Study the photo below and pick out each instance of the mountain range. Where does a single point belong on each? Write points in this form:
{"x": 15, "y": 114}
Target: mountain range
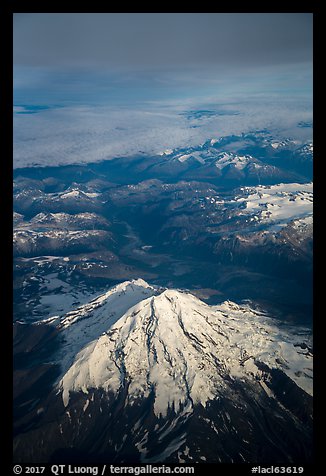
{"x": 163, "y": 306}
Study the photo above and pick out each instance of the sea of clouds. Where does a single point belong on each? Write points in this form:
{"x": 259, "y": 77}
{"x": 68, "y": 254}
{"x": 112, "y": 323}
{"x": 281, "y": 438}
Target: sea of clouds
{"x": 77, "y": 134}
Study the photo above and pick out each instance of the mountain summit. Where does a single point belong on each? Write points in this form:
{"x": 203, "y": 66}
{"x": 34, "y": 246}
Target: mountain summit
{"x": 185, "y": 351}
{"x": 147, "y": 371}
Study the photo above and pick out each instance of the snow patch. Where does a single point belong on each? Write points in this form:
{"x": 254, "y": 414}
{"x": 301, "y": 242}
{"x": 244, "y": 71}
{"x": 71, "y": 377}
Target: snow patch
{"x": 228, "y": 158}
{"x": 278, "y": 203}
{"x": 166, "y": 152}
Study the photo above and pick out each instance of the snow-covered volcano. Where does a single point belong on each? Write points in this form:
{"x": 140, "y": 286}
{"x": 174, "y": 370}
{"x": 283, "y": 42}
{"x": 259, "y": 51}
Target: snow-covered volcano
{"x": 150, "y": 374}
{"x": 182, "y": 349}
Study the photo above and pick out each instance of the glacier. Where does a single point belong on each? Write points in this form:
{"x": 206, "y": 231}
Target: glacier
{"x": 145, "y": 339}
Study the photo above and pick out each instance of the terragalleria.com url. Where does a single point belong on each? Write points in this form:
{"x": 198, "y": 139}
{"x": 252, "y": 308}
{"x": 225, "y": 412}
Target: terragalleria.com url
{"x": 148, "y": 469}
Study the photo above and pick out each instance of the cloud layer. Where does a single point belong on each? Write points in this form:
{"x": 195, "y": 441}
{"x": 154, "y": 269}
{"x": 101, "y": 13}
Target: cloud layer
{"x": 146, "y": 41}
{"x": 84, "y": 134}
{"x": 89, "y": 87}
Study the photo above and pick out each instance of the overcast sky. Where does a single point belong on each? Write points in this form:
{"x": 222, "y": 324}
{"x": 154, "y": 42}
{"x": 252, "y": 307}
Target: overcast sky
{"x": 62, "y": 54}
{"x": 161, "y": 40}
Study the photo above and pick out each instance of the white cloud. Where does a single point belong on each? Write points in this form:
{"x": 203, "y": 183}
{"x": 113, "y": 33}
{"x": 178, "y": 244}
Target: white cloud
{"x": 81, "y": 134}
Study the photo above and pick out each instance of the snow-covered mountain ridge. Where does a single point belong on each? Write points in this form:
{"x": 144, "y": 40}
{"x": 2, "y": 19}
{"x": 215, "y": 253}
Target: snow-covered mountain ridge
{"x": 146, "y": 340}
